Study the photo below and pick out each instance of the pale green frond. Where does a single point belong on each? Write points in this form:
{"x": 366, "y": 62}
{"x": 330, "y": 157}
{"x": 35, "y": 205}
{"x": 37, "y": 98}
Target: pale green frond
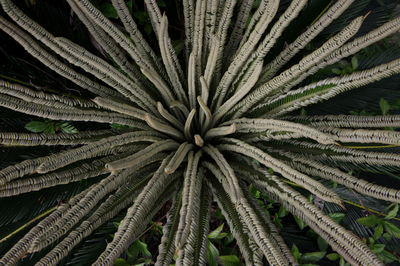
{"x": 109, "y": 45}
{"x": 178, "y": 157}
{"x": 71, "y": 114}
{"x": 243, "y": 88}
{"x": 272, "y": 86}
{"x": 238, "y": 228}
{"x": 188, "y": 124}
{"x": 277, "y": 29}
{"x": 40, "y": 97}
{"x": 166, "y": 249}
{"x": 162, "y": 127}
{"x": 247, "y": 125}
{"x": 351, "y": 48}
{"x": 349, "y": 121}
{"x": 169, "y": 117}
{"x": 91, "y": 150}
{"x": 33, "y": 48}
{"x": 238, "y": 29}
{"x": 220, "y": 131}
{"x": 135, "y": 214}
{"x": 22, "y": 246}
{"x": 318, "y": 169}
{"x": 363, "y": 135}
{"x": 192, "y": 186}
{"x": 280, "y": 167}
{"x": 168, "y": 61}
{"x": 221, "y": 32}
{"x": 107, "y": 210}
{"x": 37, "y": 139}
{"x": 243, "y": 54}
{"x": 134, "y": 33}
{"x": 194, "y": 250}
{"x": 142, "y": 156}
{"x": 352, "y": 155}
{"x": 341, "y": 240}
{"x": 227, "y": 171}
{"x": 292, "y": 49}
{"x": 326, "y": 89}
{"x": 265, "y": 221}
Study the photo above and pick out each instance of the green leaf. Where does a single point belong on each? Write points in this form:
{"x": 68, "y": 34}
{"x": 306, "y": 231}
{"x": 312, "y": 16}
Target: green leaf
{"x": 212, "y": 254}
{"x": 378, "y": 231}
{"x": 385, "y": 107}
{"x": 282, "y": 212}
{"x": 300, "y": 223}
{"x": 161, "y": 3}
{"x": 388, "y": 257}
{"x": 392, "y": 213}
{"x": 119, "y": 127}
{"x": 354, "y": 63}
{"x": 230, "y": 260}
{"x": 336, "y": 71}
{"x": 333, "y": 256}
{"x": 371, "y": 220}
{"x": 322, "y": 244}
{"x": 312, "y": 257}
{"x": 36, "y": 126}
{"x": 392, "y": 229}
{"x": 66, "y": 127}
{"x": 377, "y": 248}
{"x": 295, "y": 252}
{"x": 108, "y": 10}
{"x": 121, "y": 262}
{"x": 337, "y": 216}
{"x": 387, "y": 236}
{"x": 178, "y": 46}
{"x": 215, "y": 234}
{"x": 129, "y": 5}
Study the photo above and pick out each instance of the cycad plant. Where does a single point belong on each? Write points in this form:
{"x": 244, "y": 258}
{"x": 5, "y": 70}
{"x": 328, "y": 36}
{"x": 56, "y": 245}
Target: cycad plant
{"x": 200, "y": 128}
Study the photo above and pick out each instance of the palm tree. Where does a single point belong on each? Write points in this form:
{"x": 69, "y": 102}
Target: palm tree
{"x": 199, "y": 129}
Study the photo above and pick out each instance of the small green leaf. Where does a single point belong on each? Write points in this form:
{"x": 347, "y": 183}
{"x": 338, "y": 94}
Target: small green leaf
{"x": 215, "y": 233}
{"x": 121, "y": 262}
{"x": 66, "y": 127}
{"x": 322, "y": 244}
{"x": 354, "y": 63}
{"x": 212, "y": 254}
{"x": 336, "y": 71}
{"x": 392, "y": 213}
{"x": 108, "y": 10}
{"x": 388, "y": 257}
{"x": 378, "y": 231}
{"x": 387, "y": 236}
{"x": 312, "y": 257}
{"x": 129, "y": 5}
{"x": 371, "y": 220}
{"x": 377, "y": 248}
{"x": 300, "y": 223}
{"x": 161, "y": 3}
{"x": 333, "y": 256}
{"x": 385, "y": 107}
{"x": 229, "y": 260}
{"x": 282, "y": 212}
{"x": 392, "y": 229}
{"x": 119, "y": 127}
{"x": 36, "y": 126}
{"x": 295, "y": 252}
{"x": 337, "y": 216}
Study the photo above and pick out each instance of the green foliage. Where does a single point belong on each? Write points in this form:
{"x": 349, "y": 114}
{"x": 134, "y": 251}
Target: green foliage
{"x": 51, "y": 127}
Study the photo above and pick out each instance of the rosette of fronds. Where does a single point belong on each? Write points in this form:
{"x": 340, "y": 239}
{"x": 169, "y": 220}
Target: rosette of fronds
{"x": 200, "y": 128}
